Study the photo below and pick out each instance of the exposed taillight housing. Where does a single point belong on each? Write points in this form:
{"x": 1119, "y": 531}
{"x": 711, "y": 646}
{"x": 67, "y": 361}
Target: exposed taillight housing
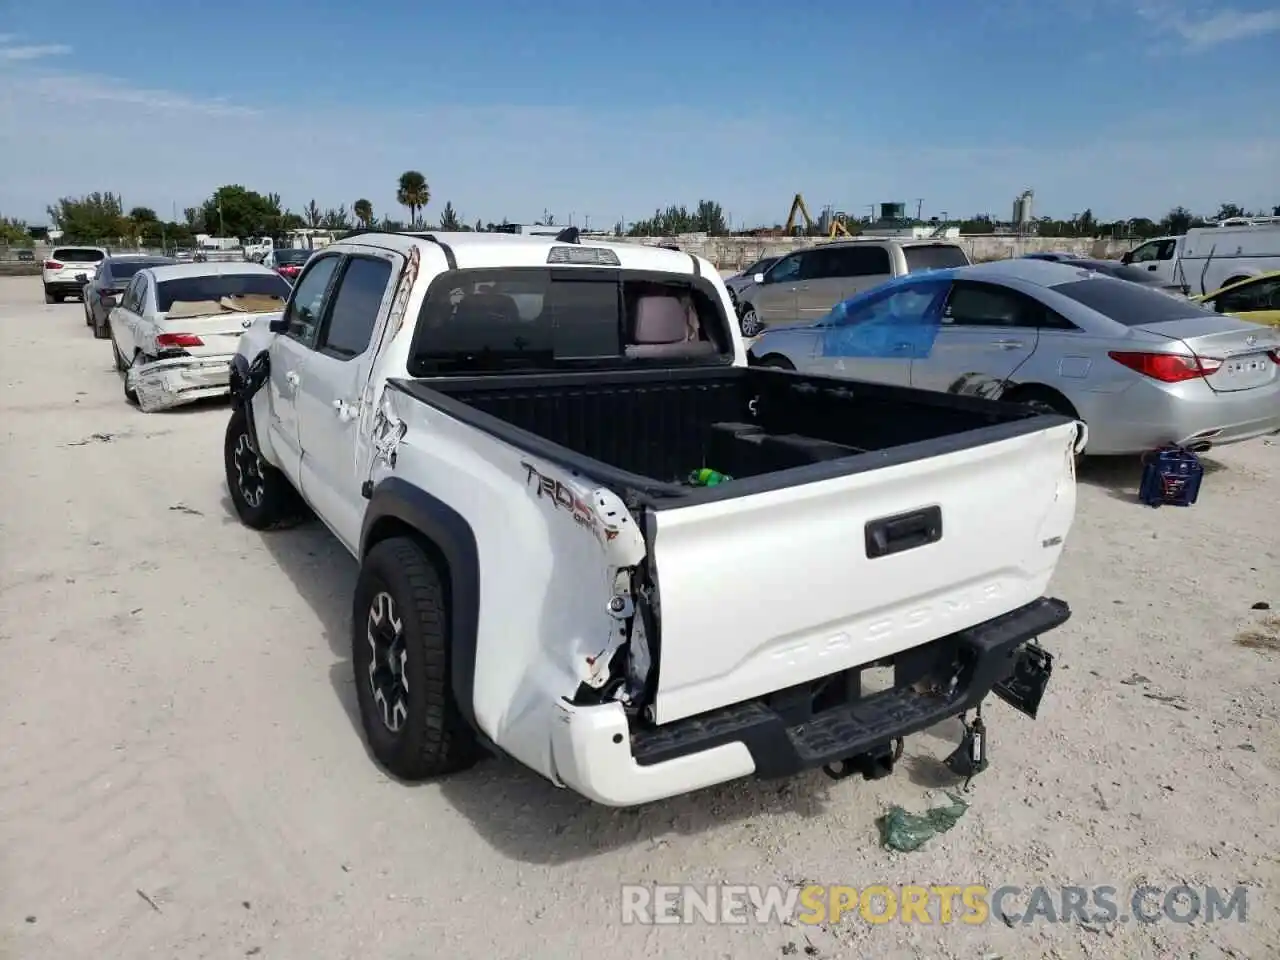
{"x": 178, "y": 341}
{"x": 52, "y": 265}
{"x": 1274, "y": 355}
{"x": 1166, "y": 367}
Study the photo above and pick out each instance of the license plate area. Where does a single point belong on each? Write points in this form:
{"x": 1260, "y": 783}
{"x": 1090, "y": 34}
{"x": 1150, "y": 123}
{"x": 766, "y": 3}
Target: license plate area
{"x": 1025, "y": 686}
{"x": 1244, "y": 373}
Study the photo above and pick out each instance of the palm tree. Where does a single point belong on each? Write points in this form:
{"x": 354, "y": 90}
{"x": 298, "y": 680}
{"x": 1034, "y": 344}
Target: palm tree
{"x": 412, "y": 192}
{"x": 363, "y": 210}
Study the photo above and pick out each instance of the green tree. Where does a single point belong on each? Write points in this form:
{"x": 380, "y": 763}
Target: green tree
{"x": 234, "y": 211}
{"x": 413, "y": 192}
{"x": 1177, "y": 220}
{"x": 93, "y": 218}
{"x": 363, "y": 210}
{"x": 337, "y": 219}
{"x": 1228, "y": 210}
{"x": 311, "y": 213}
{"x": 479, "y": 227}
{"x": 449, "y": 217}
{"x": 14, "y": 232}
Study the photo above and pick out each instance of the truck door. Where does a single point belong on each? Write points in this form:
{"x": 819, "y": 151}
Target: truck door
{"x": 290, "y": 353}
{"x": 1156, "y": 256}
{"x": 330, "y": 396}
{"x": 986, "y": 333}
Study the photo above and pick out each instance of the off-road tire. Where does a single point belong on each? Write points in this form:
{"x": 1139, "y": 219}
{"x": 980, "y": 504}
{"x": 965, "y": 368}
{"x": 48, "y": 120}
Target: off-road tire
{"x": 433, "y": 739}
{"x": 102, "y": 331}
{"x": 279, "y": 504}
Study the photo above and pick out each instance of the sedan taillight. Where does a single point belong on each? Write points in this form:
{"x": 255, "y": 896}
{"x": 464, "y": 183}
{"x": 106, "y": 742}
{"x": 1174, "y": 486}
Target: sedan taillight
{"x": 52, "y": 265}
{"x": 1166, "y": 367}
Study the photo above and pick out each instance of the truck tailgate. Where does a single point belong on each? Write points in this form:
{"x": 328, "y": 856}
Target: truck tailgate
{"x": 778, "y": 588}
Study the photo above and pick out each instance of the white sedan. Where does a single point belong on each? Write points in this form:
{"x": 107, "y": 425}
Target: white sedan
{"x": 176, "y": 328}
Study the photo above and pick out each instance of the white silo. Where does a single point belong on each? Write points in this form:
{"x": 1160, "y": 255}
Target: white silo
{"x": 1022, "y": 208}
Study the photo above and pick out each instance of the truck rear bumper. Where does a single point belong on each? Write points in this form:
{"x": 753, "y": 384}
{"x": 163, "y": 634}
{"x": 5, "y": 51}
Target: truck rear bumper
{"x": 598, "y": 753}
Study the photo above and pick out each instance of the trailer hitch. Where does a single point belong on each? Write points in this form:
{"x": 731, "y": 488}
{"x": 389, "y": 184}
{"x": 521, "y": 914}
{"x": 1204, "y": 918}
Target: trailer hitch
{"x": 873, "y": 765}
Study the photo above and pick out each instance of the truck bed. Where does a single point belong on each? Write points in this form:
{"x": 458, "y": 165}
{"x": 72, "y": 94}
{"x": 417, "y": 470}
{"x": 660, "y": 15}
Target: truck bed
{"x": 765, "y": 428}
{"x": 862, "y": 520}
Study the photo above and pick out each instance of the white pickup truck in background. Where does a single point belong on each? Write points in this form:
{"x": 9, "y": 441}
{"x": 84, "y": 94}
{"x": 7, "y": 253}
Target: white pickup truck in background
{"x": 1206, "y": 259}
{"x": 591, "y": 537}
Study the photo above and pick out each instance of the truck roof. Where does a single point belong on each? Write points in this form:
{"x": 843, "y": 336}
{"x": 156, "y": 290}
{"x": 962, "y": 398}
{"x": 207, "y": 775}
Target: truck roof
{"x": 478, "y": 250}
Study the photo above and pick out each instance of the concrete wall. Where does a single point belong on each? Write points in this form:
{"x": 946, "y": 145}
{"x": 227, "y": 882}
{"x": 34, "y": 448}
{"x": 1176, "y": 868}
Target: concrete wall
{"x": 733, "y": 253}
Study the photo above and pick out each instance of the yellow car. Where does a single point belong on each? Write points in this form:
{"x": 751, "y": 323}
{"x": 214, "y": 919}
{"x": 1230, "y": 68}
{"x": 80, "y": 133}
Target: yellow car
{"x": 1256, "y": 299}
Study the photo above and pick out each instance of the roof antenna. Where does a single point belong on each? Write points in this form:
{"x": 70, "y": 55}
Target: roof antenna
{"x": 567, "y": 235}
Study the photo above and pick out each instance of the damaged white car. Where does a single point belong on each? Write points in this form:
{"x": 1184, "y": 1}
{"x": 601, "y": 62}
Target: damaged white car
{"x": 177, "y": 327}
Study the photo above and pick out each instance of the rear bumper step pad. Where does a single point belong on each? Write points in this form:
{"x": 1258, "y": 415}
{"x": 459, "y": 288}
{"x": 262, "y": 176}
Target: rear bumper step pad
{"x": 984, "y": 655}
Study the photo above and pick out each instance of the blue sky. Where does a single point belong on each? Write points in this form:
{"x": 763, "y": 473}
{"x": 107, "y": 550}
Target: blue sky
{"x": 609, "y": 110}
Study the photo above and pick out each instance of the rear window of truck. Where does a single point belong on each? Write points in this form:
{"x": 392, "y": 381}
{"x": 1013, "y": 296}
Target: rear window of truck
{"x": 546, "y": 318}
{"x": 934, "y": 256}
{"x": 1132, "y": 304}
{"x": 77, "y": 255}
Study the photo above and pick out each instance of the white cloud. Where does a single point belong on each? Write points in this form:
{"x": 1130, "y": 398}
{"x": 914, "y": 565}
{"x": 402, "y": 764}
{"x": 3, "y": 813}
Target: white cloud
{"x": 167, "y": 150}
{"x": 1199, "y": 32}
{"x": 33, "y": 51}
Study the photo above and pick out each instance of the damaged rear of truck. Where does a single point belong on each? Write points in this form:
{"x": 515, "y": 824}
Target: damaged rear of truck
{"x": 522, "y": 476}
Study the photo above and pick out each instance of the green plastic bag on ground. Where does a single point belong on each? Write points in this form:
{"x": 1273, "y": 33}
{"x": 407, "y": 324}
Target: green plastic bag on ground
{"x": 903, "y": 831}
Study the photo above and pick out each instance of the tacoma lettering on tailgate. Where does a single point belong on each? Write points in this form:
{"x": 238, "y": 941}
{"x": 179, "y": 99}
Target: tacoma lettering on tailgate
{"x": 819, "y": 648}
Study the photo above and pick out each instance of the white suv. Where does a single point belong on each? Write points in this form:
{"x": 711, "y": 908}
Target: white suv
{"x": 64, "y": 268}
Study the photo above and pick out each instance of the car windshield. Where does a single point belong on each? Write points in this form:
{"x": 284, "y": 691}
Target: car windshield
{"x": 934, "y": 256}
{"x": 760, "y": 266}
{"x": 1131, "y": 304}
{"x": 77, "y": 255}
{"x": 292, "y": 258}
{"x": 230, "y": 291}
{"x": 124, "y": 269}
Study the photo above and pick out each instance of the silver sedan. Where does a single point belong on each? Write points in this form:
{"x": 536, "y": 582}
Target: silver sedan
{"x": 1140, "y": 367}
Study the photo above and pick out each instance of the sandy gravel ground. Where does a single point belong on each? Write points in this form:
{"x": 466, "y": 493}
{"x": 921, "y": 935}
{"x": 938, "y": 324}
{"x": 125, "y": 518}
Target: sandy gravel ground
{"x": 181, "y": 773}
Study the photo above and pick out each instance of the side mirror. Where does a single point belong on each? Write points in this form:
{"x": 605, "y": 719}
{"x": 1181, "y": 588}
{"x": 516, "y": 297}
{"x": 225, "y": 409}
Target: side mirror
{"x": 1127, "y": 258}
{"x": 279, "y": 324}
{"x": 758, "y": 278}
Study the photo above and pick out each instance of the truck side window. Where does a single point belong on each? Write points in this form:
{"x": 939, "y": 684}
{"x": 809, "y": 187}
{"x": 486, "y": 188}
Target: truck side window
{"x": 349, "y": 328}
{"x": 1165, "y": 248}
{"x": 308, "y": 299}
{"x": 1146, "y": 253}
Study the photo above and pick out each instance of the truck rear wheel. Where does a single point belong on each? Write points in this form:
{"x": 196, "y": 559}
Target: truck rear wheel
{"x": 260, "y": 493}
{"x": 401, "y": 656}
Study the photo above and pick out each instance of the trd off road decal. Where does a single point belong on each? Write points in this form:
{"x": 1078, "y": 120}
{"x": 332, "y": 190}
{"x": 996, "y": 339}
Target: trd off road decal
{"x": 563, "y": 498}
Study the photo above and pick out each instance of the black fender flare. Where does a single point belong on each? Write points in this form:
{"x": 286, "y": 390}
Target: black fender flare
{"x": 394, "y": 505}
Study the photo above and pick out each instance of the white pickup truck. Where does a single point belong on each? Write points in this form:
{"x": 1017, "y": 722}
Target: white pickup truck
{"x": 591, "y": 537}
{"x": 1206, "y": 259}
